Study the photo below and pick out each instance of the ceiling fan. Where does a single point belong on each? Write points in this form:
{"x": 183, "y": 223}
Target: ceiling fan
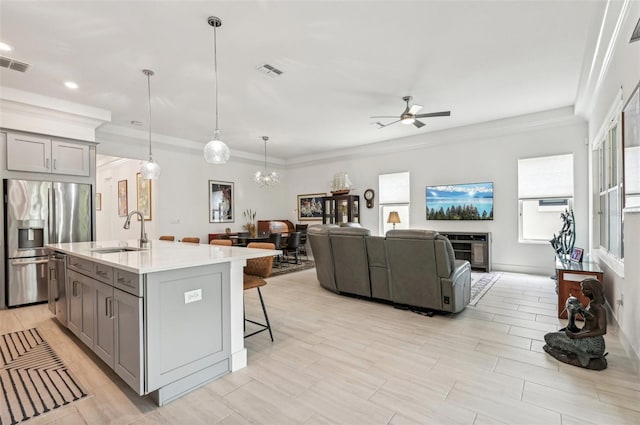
{"x": 409, "y": 115}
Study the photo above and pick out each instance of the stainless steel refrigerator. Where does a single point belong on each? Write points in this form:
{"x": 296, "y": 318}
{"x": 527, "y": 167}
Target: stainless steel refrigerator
{"x": 38, "y": 213}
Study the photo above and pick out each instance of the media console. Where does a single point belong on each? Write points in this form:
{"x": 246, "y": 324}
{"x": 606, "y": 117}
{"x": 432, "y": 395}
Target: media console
{"x": 473, "y": 247}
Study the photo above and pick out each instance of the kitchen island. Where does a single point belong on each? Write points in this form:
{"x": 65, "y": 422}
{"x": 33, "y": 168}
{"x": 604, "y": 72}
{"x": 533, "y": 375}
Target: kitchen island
{"x": 167, "y": 318}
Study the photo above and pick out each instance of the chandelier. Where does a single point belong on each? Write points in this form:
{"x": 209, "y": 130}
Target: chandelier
{"x": 266, "y": 178}
{"x": 150, "y": 169}
{"x": 216, "y": 151}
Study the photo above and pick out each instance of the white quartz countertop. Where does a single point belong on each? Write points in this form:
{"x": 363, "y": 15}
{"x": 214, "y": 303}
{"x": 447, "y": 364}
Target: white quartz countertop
{"x": 160, "y": 255}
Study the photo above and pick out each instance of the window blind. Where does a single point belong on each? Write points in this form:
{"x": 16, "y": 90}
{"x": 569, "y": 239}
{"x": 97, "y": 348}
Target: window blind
{"x": 545, "y": 177}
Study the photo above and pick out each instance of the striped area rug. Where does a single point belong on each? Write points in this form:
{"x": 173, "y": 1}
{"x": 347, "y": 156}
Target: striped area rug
{"x": 480, "y": 284}
{"x": 33, "y": 379}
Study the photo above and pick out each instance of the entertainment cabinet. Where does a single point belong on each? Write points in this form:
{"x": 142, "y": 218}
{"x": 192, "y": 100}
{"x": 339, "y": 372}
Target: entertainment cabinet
{"x": 341, "y": 209}
{"x": 473, "y": 247}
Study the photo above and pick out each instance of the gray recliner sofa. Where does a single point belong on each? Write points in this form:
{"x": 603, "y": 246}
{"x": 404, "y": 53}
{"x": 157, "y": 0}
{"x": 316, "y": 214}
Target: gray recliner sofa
{"x": 424, "y": 273}
{"x": 408, "y": 267}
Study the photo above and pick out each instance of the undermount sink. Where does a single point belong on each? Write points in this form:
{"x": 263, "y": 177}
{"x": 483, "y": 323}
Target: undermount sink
{"x": 112, "y": 249}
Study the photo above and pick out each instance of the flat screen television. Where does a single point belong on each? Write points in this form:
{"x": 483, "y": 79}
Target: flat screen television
{"x": 473, "y": 201}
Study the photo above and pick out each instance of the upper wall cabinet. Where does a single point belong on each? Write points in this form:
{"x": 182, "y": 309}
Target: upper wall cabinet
{"x": 43, "y": 155}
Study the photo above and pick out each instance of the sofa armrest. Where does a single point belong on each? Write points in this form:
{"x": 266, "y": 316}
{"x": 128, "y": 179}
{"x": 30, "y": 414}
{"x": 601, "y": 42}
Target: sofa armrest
{"x": 456, "y": 289}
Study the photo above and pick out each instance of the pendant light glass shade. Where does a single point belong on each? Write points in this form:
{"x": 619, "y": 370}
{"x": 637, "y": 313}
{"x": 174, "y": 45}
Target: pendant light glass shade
{"x": 216, "y": 151}
{"x": 266, "y": 178}
{"x": 149, "y": 170}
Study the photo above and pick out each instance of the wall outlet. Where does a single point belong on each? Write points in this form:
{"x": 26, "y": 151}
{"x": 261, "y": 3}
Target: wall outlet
{"x": 175, "y": 221}
{"x": 192, "y": 296}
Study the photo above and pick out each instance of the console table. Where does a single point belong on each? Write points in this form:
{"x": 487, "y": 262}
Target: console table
{"x": 569, "y": 275}
{"x": 473, "y": 247}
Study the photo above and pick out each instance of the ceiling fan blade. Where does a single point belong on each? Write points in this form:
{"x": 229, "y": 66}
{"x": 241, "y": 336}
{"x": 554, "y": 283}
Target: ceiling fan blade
{"x": 435, "y": 114}
{"x": 385, "y": 116}
{"x": 418, "y": 124}
{"x": 387, "y": 125}
{"x": 414, "y": 109}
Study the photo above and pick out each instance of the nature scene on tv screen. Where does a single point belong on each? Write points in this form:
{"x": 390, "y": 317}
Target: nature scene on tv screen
{"x": 472, "y": 201}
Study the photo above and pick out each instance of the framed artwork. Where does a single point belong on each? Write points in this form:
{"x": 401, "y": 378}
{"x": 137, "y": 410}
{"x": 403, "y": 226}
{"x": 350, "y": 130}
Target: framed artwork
{"x": 98, "y": 201}
{"x": 221, "y": 209}
{"x": 310, "y": 206}
{"x": 576, "y": 255}
{"x": 631, "y": 151}
{"x": 143, "y": 191}
{"x": 123, "y": 201}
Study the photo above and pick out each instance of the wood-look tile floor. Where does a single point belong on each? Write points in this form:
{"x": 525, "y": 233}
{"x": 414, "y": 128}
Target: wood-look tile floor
{"x": 340, "y": 360}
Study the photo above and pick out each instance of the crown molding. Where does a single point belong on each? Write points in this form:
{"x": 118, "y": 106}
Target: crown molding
{"x": 34, "y": 113}
{"x": 474, "y": 132}
{"x": 613, "y": 19}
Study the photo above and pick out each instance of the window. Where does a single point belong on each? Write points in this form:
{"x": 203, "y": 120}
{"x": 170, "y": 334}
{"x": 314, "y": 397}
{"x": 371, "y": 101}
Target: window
{"x": 395, "y": 194}
{"x": 610, "y": 189}
{"x": 545, "y": 190}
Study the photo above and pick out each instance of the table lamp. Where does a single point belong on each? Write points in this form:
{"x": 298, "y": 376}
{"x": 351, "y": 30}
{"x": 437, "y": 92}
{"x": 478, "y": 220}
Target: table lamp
{"x": 393, "y": 218}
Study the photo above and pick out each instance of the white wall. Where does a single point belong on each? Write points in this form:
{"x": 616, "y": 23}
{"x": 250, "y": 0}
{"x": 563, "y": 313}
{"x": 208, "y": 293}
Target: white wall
{"x": 483, "y": 153}
{"x": 622, "y": 71}
{"x": 180, "y": 198}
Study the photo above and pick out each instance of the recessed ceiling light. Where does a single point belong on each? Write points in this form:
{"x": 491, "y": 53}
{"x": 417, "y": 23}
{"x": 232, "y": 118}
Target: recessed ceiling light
{"x": 5, "y": 47}
{"x": 71, "y": 85}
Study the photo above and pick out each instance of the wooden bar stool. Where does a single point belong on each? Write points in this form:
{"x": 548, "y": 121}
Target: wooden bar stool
{"x": 254, "y": 273}
{"x": 190, "y": 239}
{"x": 224, "y": 242}
{"x": 167, "y": 238}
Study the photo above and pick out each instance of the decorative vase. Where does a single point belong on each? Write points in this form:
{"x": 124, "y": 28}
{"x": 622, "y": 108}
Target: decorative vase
{"x": 253, "y": 230}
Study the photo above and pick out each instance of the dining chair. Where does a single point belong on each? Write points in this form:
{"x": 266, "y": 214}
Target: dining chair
{"x": 302, "y": 228}
{"x": 167, "y": 238}
{"x": 191, "y": 239}
{"x": 224, "y": 242}
{"x": 293, "y": 246}
{"x": 276, "y": 240}
{"x": 256, "y": 270}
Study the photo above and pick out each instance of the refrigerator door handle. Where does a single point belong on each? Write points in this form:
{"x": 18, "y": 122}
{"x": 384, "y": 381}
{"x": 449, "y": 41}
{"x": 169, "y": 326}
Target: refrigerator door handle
{"x": 52, "y": 216}
{"x": 28, "y": 262}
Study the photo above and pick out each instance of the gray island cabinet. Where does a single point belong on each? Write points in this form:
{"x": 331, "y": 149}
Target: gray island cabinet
{"x": 167, "y": 319}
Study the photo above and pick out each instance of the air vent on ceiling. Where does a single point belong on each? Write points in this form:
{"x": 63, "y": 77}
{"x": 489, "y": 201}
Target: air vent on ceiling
{"x": 270, "y": 70}
{"x": 6, "y": 62}
{"x": 636, "y": 33}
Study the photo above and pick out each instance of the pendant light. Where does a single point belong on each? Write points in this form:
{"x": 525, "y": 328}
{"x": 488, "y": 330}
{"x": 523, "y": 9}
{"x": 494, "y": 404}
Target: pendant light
{"x": 150, "y": 169}
{"x": 216, "y": 151}
{"x": 265, "y": 178}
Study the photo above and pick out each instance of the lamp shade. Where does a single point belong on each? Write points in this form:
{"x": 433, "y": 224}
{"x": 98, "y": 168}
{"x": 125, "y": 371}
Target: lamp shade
{"x": 393, "y": 217}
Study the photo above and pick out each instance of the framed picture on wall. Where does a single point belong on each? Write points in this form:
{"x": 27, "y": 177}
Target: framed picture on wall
{"x": 310, "y": 206}
{"x": 98, "y": 201}
{"x": 221, "y": 209}
{"x": 143, "y": 203}
{"x": 123, "y": 201}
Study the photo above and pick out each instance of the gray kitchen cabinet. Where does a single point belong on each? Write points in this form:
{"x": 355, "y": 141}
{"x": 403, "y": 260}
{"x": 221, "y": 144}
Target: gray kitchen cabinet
{"x": 81, "y": 307}
{"x": 128, "y": 350}
{"x": 74, "y": 297}
{"x": 104, "y": 321}
{"x": 44, "y": 155}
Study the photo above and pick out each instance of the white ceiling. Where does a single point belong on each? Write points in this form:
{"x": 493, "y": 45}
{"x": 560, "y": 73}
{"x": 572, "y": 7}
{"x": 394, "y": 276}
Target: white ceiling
{"x": 342, "y": 61}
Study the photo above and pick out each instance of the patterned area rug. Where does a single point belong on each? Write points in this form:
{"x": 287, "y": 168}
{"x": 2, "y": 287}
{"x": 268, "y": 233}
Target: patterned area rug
{"x": 290, "y": 268}
{"x": 480, "y": 284}
{"x": 33, "y": 379}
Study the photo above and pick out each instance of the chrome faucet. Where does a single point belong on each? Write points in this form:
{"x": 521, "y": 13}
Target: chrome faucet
{"x": 143, "y": 236}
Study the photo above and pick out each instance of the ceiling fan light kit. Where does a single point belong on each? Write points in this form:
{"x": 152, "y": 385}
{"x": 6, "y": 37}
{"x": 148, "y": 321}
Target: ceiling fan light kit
{"x": 409, "y": 115}
{"x": 216, "y": 151}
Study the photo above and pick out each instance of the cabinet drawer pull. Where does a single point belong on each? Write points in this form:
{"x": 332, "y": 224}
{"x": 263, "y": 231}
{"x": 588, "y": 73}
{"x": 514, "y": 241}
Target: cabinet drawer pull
{"x": 47, "y": 164}
{"x": 111, "y": 315}
{"x": 54, "y": 164}
{"x": 102, "y": 273}
{"x": 74, "y": 288}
